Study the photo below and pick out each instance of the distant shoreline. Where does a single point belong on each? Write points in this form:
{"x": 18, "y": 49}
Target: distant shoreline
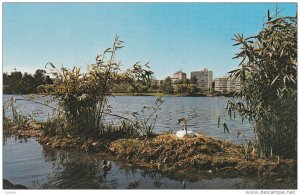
{"x": 153, "y": 94}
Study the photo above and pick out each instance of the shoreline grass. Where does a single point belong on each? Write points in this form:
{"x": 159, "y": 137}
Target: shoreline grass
{"x": 169, "y": 155}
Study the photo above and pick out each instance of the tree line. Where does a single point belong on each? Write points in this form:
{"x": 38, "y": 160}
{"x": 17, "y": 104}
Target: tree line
{"x": 18, "y": 83}
{"x": 180, "y": 86}
{"x": 166, "y": 86}
{"x": 23, "y": 83}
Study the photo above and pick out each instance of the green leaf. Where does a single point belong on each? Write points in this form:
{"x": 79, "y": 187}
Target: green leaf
{"x": 225, "y": 128}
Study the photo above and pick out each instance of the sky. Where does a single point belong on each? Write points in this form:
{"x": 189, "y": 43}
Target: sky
{"x": 170, "y": 36}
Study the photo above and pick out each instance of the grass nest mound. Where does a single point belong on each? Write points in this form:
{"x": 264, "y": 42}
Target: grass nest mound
{"x": 170, "y": 155}
{"x": 30, "y": 129}
{"x": 166, "y": 153}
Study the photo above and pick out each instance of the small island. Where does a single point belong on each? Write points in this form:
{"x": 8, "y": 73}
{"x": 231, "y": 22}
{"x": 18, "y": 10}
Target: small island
{"x": 262, "y": 91}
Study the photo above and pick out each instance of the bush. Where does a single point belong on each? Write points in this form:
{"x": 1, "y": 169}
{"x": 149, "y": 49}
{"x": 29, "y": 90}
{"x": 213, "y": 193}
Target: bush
{"x": 268, "y": 75}
{"x": 83, "y": 97}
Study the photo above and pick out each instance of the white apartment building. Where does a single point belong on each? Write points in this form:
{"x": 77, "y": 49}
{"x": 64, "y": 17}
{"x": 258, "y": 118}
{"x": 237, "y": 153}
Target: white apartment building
{"x": 204, "y": 79}
{"x": 179, "y": 75}
{"x": 226, "y": 84}
{"x": 221, "y": 84}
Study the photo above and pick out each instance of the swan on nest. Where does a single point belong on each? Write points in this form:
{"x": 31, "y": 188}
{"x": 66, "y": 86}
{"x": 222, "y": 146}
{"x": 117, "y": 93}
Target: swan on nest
{"x": 184, "y": 133}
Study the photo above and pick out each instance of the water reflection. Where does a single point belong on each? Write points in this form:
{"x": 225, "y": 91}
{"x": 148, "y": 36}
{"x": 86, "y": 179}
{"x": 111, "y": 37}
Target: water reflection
{"x": 75, "y": 170}
{"x": 35, "y": 166}
{"x": 72, "y": 170}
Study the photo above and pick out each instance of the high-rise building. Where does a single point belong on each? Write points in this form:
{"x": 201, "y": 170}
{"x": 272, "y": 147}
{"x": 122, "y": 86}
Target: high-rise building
{"x": 204, "y": 79}
{"x": 179, "y": 75}
{"x": 233, "y": 85}
{"x": 221, "y": 84}
{"x": 227, "y": 84}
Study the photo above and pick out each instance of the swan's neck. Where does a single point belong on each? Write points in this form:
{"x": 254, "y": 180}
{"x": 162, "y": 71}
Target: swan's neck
{"x": 185, "y": 126}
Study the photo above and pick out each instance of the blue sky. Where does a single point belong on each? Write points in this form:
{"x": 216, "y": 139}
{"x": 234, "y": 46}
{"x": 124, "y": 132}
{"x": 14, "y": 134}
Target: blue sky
{"x": 171, "y": 36}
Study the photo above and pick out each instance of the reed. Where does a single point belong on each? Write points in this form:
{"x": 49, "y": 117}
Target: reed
{"x": 268, "y": 94}
{"x": 17, "y": 118}
{"x": 84, "y": 97}
{"x": 145, "y": 120}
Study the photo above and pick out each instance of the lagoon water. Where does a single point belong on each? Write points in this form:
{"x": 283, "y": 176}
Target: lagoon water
{"x": 201, "y": 113}
{"x": 28, "y": 163}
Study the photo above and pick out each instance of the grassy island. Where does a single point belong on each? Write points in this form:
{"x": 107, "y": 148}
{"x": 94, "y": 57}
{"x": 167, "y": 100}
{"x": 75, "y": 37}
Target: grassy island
{"x": 267, "y": 99}
{"x": 172, "y": 156}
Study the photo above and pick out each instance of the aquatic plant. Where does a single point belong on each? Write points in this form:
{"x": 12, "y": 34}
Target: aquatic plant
{"x": 14, "y": 120}
{"x": 17, "y": 118}
{"x": 55, "y": 125}
{"x": 145, "y": 121}
{"x": 83, "y": 97}
{"x": 268, "y": 94}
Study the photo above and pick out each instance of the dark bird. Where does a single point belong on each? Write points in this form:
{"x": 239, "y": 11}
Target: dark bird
{"x": 106, "y": 166}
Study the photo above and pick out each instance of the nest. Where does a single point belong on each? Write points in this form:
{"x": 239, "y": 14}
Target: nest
{"x": 166, "y": 153}
{"x": 170, "y": 155}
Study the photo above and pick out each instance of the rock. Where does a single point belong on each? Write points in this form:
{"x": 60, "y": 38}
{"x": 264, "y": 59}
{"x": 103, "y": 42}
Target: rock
{"x": 8, "y": 185}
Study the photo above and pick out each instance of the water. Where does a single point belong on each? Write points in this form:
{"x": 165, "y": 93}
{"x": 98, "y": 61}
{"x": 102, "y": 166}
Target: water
{"x": 28, "y": 163}
{"x": 201, "y": 113}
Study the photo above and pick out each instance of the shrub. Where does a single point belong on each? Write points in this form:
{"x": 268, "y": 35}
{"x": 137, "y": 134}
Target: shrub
{"x": 268, "y": 94}
{"x": 83, "y": 97}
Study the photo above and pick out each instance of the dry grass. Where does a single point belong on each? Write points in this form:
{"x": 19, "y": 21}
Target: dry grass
{"x": 30, "y": 129}
{"x": 169, "y": 154}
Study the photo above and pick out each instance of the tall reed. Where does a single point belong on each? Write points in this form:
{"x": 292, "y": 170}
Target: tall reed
{"x": 268, "y": 75}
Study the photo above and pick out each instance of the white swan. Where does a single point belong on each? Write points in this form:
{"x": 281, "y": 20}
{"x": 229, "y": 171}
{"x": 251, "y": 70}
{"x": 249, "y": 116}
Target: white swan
{"x": 184, "y": 133}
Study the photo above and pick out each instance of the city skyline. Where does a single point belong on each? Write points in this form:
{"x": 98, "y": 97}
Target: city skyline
{"x": 170, "y": 36}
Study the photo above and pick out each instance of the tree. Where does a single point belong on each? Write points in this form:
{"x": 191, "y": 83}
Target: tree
{"x": 139, "y": 76}
{"x": 122, "y": 88}
{"x": 26, "y": 83}
{"x": 186, "y": 81}
{"x": 15, "y": 82}
{"x": 39, "y": 78}
{"x": 48, "y": 80}
{"x": 6, "y": 83}
{"x": 178, "y": 81}
{"x": 268, "y": 75}
{"x": 5, "y": 79}
{"x": 193, "y": 80}
{"x": 192, "y": 89}
{"x": 154, "y": 86}
{"x": 161, "y": 82}
{"x": 181, "y": 89}
{"x": 167, "y": 86}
